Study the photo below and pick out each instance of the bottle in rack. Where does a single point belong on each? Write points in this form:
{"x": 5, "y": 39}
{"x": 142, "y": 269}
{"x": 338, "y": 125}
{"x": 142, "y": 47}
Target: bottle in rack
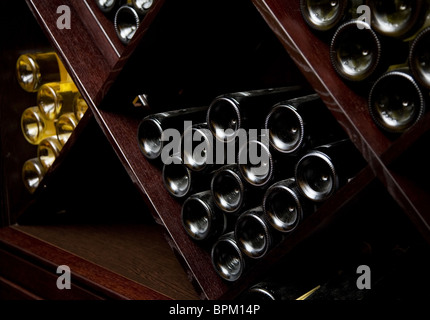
{"x": 199, "y": 149}
{"x": 230, "y": 112}
{"x": 229, "y": 191}
{"x": 201, "y": 218}
{"x": 398, "y": 19}
{"x": 109, "y": 7}
{"x": 419, "y": 58}
{"x": 151, "y": 129}
{"x": 300, "y": 123}
{"x": 48, "y": 150}
{"x": 275, "y": 291}
{"x": 285, "y": 207}
{"x": 323, "y": 170}
{"x": 255, "y": 162}
{"x": 356, "y": 51}
{"x": 79, "y": 107}
{"x": 227, "y": 259}
{"x": 35, "y": 127}
{"x": 326, "y": 15}
{"x": 126, "y": 23}
{"x": 142, "y": 6}
{"x": 253, "y": 233}
{"x": 56, "y": 98}
{"x": 35, "y": 69}
{"x": 396, "y": 101}
{"x": 259, "y": 167}
{"x": 64, "y": 126}
{"x": 180, "y": 181}
{"x": 32, "y": 174}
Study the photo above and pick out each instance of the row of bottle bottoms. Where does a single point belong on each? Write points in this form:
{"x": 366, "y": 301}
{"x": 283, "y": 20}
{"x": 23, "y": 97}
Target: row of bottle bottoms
{"x": 385, "y": 56}
{"x": 126, "y": 15}
{"x": 243, "y": 207}
{"x": 58, "y": 109}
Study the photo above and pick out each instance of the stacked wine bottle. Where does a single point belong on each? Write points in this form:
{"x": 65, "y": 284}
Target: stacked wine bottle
{"x": 58, "y": 109}
{"x": 125, "y": 14}
{"x": 249, "y": 168}
{"x": 381, "y": 49}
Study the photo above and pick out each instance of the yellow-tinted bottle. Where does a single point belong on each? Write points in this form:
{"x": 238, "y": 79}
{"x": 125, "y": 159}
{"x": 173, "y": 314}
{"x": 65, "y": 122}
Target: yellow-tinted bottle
{"x": 56, "y": 98}
{"x": 35, "y": 127}
{"x": 35, "y": 69}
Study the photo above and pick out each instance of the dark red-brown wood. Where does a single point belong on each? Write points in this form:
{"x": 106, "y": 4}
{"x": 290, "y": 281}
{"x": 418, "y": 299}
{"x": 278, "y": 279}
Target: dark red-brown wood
{"x": 29, "y": 256}
{"x": 94, "y": 58}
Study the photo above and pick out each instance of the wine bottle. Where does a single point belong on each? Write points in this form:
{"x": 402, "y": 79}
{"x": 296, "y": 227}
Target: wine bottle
{"x": 356, "y": 51}
{"x": 398, "y": 19}
{"x": 255, "y": 162}
{"x": 323, "y": 170}
{"x": 253, "y": 233}
{"x": 259, "y": 167}
{"x": 126, "y": 23}
{"x": 419, "y": 58}
{"x": 48, "y": 150}
{"x": 230, "y": 112}
{"x": 56, "y": 98}
{"x": 180, "y": 181}
{"x": 325, "y": 15}
{"x": 201, "y": 218}
{"x": 151, "y": 128}
{"x": 64, "y": 127}
{"x": 230, "y": 193}
{"x": 227, "y": 259}
{"x": 142, "y": 6}
{"x": 396, "y": 102}
{"x": 35, "y": 127}
{"x": 276, "y": 291}
{"x": 32, "y": 174}
{"x": 300, "y": 123}
{"x": 199, "y": 150}
{"x": 35, "y": 69}
{"x": 284, "y": 206}
{"x": 79, "y": 107}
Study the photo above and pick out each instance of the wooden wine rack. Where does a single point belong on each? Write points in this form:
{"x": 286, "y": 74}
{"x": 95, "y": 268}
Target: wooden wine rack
{"x": 174, "y": 56}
